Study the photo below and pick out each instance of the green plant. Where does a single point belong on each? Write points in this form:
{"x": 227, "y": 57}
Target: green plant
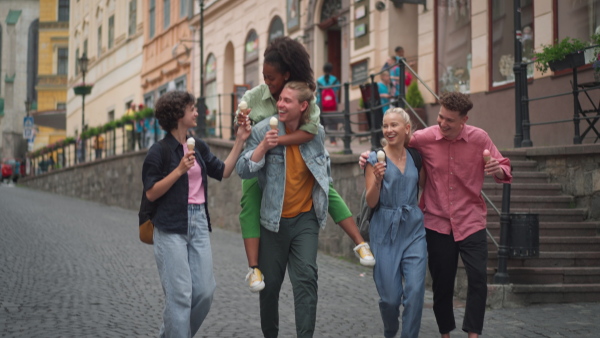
{"x": 414, "y": 97}
{"x": 557, "y": 52}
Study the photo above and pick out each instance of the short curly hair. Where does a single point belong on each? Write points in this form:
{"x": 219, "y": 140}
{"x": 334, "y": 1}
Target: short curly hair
{"x": 456, "y": 101}
{"x": 170, "y": 107}
{"x": 289, "y": 55}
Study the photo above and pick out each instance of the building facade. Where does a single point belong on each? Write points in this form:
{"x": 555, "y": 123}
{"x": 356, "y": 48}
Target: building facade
{"x": 19, "y": 21}
{"x": 110, "y": 34}
{"x": 51, "y": 87}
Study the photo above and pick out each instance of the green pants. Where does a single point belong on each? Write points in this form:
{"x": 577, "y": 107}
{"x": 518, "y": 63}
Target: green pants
{"x": 252, "y": 196}
{"x": 294, "y": 246}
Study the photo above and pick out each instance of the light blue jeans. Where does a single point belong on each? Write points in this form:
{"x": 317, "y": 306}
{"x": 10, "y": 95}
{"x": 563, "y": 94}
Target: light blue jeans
{"x": 186, "y": 272}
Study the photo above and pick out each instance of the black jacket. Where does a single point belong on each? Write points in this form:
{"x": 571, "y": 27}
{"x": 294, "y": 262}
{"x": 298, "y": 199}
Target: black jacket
{"x": 171, "y": 212}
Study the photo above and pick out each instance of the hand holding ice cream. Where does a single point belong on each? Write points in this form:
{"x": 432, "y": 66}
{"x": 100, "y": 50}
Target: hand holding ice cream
{"x": 380, "y": 156}
{"x": 486, "y": 156}
{"x": 243, "y": 115}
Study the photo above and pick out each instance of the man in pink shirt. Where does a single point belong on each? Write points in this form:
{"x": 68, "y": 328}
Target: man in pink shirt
{"x": 455, "y": 212}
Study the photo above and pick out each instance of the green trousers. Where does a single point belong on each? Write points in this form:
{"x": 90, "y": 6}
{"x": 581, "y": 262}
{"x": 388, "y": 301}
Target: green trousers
{"x": 252, "y": 196}
{"x": 295, "y": 247}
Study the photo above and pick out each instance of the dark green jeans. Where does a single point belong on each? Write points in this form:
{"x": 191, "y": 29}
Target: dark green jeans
{"x": 294, "y": 246}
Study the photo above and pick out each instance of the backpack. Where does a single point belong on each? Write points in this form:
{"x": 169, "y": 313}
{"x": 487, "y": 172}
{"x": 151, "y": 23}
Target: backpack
{"x": 328, "y": 97}
{"x": 147, "y": 208}
{"x": 365, "y": 213}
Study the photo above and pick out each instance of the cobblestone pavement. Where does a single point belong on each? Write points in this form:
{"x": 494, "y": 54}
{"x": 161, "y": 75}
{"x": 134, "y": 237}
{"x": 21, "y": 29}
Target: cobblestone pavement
{"x": 72, "y": 268}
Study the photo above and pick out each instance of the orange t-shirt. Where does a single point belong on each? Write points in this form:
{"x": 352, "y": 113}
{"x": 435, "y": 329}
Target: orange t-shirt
{"x": 299, "y": 182}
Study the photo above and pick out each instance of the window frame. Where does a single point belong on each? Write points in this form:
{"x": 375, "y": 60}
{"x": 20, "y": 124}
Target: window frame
{"x": 99, "y": 41}
{"x": 111, "y": 31}
{"x": 166, "y": 14}
{"x": 132, "y": 27}
{"x": 152, "y": 19}
{"x": 62, "y": 8}
{"x": 62, "y": 61}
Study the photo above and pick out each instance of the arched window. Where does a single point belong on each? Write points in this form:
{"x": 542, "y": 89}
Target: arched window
{"x": 251, "y": 59}
{"x": 454, "y": 45}
{"x": 210, "y": 90}
{"x": 276, "y": 28}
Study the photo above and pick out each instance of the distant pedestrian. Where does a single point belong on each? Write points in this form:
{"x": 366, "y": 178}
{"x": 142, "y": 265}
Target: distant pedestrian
{"x": 182, "y": 224}
{"x": 328, "y": 98}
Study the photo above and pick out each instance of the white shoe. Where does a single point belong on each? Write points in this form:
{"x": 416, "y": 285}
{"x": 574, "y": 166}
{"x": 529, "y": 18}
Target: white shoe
{"x": 255, "y": 280}
{"x": 364, "y": 254}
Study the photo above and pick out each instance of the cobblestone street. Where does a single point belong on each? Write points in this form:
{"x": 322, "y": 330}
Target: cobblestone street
{"x": 72, "y": 268}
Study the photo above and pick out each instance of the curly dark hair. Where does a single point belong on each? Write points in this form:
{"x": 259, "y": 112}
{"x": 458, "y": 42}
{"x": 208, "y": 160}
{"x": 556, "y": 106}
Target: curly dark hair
{"x": 171, "y": 107}
{"x": 288, "y": 55}
{"x": 455, "y": 101}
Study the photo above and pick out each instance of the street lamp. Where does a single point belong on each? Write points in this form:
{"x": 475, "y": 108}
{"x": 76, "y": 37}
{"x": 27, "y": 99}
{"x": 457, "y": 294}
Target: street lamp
{"x": 83, "y": 67}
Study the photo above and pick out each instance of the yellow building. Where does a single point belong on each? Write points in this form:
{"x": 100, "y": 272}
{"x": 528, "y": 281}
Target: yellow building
{"x": 53, "y": 51}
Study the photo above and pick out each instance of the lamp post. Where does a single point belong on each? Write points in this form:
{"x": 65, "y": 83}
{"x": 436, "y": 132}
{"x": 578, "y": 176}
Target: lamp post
{"x": 201, "y": 128}
{"x": 83, "y": 67}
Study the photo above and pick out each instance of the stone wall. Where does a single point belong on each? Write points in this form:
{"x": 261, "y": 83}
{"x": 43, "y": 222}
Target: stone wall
{"x": 577, "y": 169}
{"x": 117, "y": 181}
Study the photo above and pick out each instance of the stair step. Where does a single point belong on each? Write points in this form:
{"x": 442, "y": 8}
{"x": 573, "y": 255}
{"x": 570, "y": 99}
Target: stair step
{"x": 524, "y": 165}
{"x": 557, "y": 201}
{"x": 545, "y": 215}
{"x": 515, "y": 154}
{"x": 528, "y": 189}
{"x": 524, "y": 177}
{"x": 549, "y": 259}
{"x": 554, "y": 293}
{"x": 550, "y": 275}
{"x": 562, "y": 244}
{"x": 552, "y": 229}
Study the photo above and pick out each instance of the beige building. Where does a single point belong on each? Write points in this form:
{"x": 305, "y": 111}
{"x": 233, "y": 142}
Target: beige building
{"x": 110, "y": 33}
{"x": 455, "y": 45}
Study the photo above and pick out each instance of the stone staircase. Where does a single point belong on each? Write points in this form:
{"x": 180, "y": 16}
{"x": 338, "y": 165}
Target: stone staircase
{"x": 568, "y": 266}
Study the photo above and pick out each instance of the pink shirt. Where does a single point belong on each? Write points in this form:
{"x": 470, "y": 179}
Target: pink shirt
{"x": 196, "y": 188}
{"x": 451, "y": 200}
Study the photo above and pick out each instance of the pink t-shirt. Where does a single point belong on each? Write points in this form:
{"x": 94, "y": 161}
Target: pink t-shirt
{"x": 196, "y": 188}
{"x": 451, "y": 200}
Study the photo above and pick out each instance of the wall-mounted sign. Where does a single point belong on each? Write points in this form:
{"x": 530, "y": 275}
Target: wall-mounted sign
{"x": 360, "y": 12}
{"x": 360, "y": 72}
{"x": 360, "y": 30}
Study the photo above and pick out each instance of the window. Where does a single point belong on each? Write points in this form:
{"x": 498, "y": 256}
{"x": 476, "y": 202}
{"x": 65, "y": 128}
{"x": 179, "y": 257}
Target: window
{"x": 149, "y": 100}
{"x": 578, "y": 19}
{"x": 166, "y": 13}
{"x": 111, "y": 31}
{"x": 183, "y": 10}
{"x": 152, "y": 18}
{"x": 77, "y": 61}
{"x": 251, "y": 73}
{"x": 210, "y": 86}
{"x": 99, "y": 40}
{"x": 85, "y": 47}
{"x": 63, "y": 10}
{"x": 503, "y": 40}
{"x": 132, "y": 17}
{"x": 61, "y": 106}
{"x": 2, "y": 110}
{"x": 276, "y": 29}
{"x": 454, "y": 45}
{"x": 62, "y": 61}
{"x": 180, "y": 83}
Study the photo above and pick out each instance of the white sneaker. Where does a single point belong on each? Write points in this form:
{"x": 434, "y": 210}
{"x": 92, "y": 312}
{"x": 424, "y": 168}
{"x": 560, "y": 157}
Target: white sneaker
{"x": 364, "y": 254}
{"x": 255, "y": 280}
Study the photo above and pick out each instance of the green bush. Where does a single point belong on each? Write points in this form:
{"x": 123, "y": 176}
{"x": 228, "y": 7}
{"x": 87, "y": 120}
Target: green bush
{"x": 557, "y": 52}
{"x": 414, "y": 97}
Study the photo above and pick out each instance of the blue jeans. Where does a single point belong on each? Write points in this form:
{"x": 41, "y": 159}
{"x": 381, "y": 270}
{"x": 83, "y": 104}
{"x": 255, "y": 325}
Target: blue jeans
{"x": 186, "y": 273}
{"x": 402, "y": 258}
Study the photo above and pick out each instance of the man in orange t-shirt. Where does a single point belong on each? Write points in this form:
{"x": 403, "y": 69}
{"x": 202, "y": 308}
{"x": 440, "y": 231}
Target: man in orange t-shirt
{"x": 295, "y": 184}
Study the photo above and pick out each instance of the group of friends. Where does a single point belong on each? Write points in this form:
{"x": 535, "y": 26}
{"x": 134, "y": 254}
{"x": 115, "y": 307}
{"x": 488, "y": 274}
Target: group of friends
{"x": 287, "y": 192}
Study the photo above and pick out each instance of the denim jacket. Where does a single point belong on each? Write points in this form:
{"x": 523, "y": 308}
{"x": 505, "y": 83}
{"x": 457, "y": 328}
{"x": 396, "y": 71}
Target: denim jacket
{"x": 271, "y": 172}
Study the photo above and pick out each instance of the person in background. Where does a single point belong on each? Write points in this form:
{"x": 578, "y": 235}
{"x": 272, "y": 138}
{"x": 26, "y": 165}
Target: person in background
{"x": 99, "y": 145}
{"x": 129, "y": 127}
{"x": 182, "y": 222}
{"x": 328, "y": 98}
{"x": 386, "y": 90}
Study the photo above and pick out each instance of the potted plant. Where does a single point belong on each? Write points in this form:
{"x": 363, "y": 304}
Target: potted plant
{"x": 567, "y": 53}
{"x": 415, "y": 100}
{"x": 83, "y": 88}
